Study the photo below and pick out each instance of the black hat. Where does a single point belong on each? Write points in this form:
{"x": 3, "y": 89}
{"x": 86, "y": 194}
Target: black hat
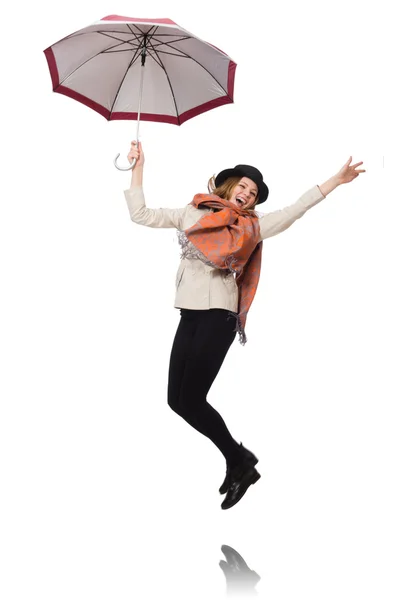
{"x": 245, "y": 171}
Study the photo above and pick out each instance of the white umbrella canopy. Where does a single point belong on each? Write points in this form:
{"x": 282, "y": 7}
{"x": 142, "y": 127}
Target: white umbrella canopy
{"x": 141, "y": 69}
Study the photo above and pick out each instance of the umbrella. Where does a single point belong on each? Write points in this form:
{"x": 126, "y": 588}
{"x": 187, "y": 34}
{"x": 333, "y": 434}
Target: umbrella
{"x": 141, "y": 69}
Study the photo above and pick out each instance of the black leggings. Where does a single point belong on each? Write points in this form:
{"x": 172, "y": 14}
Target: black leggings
{"x": 201, "y": 343}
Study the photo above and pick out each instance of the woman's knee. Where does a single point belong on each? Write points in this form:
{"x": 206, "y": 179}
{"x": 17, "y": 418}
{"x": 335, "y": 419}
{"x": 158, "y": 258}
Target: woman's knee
{"x": 172, "y": 402}
{"x": 180, "y": 406}
{"x": 175, "y": 405}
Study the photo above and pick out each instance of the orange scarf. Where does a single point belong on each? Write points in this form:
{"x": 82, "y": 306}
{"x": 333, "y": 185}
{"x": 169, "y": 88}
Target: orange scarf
{"x": 228, "y": 239}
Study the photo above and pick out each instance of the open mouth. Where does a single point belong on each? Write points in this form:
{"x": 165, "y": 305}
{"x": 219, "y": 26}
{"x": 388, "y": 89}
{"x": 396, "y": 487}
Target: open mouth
{"x": 240, "y": 201}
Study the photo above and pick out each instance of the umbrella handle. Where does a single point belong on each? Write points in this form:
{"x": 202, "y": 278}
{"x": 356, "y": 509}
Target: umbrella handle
{"x": 131, "y": 166}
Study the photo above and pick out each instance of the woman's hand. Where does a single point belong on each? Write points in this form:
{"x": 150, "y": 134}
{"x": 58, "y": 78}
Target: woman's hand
{"x": 137, "y": 172}
{"x": 137, "y": 153}
{"x": 348, "y": 172}
{"x": 345, "y": 175}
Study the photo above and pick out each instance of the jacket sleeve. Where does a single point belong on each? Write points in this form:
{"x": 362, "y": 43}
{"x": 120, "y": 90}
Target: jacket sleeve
{"x": 279, "y": 220}
{"x": 152, "y": 217}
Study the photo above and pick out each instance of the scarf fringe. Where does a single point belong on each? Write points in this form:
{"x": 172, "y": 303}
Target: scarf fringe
{"x": 229, "y": 262}
{"x": 239, "y": 328}
{"x": 190, "y": 251}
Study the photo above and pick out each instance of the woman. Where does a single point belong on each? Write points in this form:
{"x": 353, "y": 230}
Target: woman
{"x": 221, "y": 238}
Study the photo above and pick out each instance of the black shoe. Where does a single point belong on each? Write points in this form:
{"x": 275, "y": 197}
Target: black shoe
{"x": 241, "y": 477}
{"x": 247, "y": 456}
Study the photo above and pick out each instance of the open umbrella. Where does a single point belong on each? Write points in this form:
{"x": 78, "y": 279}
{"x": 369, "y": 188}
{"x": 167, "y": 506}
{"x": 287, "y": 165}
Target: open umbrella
{"x": 143, "y": 69}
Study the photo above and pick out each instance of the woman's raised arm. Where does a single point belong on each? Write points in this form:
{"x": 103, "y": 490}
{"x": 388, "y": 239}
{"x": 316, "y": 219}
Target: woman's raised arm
{"x": 139, "y": 213}
{"x": 280, "y": 220}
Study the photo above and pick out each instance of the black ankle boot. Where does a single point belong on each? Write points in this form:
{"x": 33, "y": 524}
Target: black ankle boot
{"x": 248, "y": 457}
{"x": 240, "y": 478}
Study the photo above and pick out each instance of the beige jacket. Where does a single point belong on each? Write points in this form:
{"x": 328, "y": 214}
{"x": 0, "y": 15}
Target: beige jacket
{"x": 199, "y": 286}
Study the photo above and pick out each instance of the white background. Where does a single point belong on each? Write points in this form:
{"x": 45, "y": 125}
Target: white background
{"x": 106, "y": 493}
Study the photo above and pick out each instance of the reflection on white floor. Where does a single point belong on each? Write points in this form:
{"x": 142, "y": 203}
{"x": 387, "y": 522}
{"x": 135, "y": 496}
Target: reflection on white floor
{"x": 240, "y": 579}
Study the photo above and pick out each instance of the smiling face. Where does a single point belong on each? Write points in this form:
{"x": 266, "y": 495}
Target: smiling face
{"x": 244, "y": 193}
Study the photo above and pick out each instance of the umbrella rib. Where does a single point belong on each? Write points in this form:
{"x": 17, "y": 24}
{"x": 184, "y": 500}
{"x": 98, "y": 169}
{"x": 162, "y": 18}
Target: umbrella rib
{"x": 169, "y": 81}
{"x": 134, "y": 59}
{"x": 118, "y": 51}
{"x": 132, "y": 31}
{"x": 139, "y": 41}
{"x": 140, "y": 30}
{"x": 182, "y": 39}
{"x": 154, "y": 58}
{"x": 91, "y": 58}
{"x": 189, "y": 57}
{"x": 184, "y": 55}
{"x": 112, "y": 37}
{"x": 188, "y": 37}
{"x": 78, "y": 33}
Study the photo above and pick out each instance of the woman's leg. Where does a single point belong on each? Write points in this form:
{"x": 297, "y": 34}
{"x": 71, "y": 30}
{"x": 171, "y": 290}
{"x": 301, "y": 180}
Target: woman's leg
{"x": 181, "y": 347}
{"x": 201, "y": 343}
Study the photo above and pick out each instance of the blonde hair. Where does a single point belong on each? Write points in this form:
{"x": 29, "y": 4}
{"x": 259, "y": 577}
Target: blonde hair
{"x": 225, "y": 190}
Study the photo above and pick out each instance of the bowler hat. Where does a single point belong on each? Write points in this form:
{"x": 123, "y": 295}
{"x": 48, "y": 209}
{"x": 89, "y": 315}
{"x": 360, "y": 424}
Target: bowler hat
{"x": 245, "y": 171}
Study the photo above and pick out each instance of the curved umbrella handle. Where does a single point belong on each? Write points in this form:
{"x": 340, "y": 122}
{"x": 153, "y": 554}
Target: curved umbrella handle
{"x": 132, "y": 165}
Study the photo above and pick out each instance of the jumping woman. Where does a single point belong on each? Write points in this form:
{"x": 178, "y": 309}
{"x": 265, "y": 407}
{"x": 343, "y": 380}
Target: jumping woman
{"x": 221, "y": 240}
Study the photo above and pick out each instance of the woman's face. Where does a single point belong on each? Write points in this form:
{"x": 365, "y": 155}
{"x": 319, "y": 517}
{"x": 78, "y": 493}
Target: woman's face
{"x": 244, "y": 194}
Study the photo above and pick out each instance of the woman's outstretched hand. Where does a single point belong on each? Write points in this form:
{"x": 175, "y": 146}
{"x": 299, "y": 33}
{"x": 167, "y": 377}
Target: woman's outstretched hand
{"x": 349, "y": 172}
{"x": 137, "y": 153}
